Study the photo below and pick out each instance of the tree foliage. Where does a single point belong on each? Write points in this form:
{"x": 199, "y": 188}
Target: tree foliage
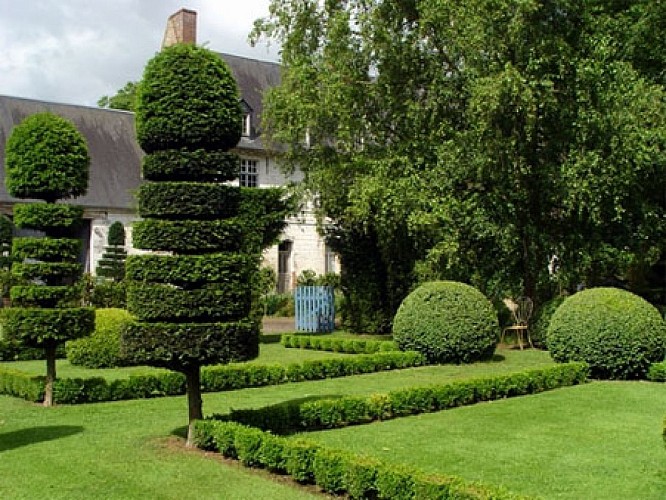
{"x": 124, "y": 99}
{"x": 514, "y": 145}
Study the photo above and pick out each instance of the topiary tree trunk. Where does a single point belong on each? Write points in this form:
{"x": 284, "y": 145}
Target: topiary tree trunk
{"x": 193, "y": 304}
{"x": 46, "y": 158}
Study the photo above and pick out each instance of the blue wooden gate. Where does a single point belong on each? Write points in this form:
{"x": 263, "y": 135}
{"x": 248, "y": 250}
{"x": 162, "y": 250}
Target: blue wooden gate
{"x": 315, "y": 309}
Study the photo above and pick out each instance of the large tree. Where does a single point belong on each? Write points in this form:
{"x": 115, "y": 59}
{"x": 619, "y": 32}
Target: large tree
{"x": 47, "y": 158}
{"x": 486, "y": 141}
{"x": 193, "y": 300}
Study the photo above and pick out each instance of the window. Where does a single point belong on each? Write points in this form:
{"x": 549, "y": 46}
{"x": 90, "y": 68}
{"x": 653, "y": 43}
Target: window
{"x": 249, "y": 176}
{"x": 330, "y": 261}
{"x": 247, "y": 124}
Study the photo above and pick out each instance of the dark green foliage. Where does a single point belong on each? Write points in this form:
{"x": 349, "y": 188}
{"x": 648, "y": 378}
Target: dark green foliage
{"x": 353, "y": 410}
{"x": 124, "y": 99}
{"x": 233, "y": 377}
{"x": 35, "y": 326}
{"x": 51, "y": 273}
{"x": 189, "y": 237}
{"x": 337, "y": 344}
{"x": 618, "y": 333}
{"x": 6, "y": 237}
{"x": 541, "y": 320}
{"x": 116, "y": 236}
{"x": 191, "y": 200}
{"x": 187, "y": 98}
{"x": 190, "y": 270}
{"x": 11, "y": 350}
{"x": 448, "y": 322}
{"x": 102, "y": 348}
{"x": 185, "y": 165}
{"x": 212, "y": 303}
{"x": 109, "y": 294}
{"x": 53, "y": 219}
{"x": 279, "y": 304}
{"x": 336, "y": 471}
{"x": 263, "y": 213}
{"x": 46, "y": 249}
{"x": 46, "y": 296}
{"x": 46, "y": 158}
{"x": 178, "y": 346}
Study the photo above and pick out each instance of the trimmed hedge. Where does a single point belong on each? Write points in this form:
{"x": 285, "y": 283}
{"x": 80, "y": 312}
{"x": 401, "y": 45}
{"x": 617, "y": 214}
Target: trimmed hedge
{"x": 46, "y": 158}
{"x": 334, "y": 471}
{"x": 188, "y": 237}
{"x": 46, "y": 249}
{"x": 167, "y": 115}
{"x": 45, "y": 296}
{"x": 109, "y": 294}
{"x": 216, "y": 302}
{"x": 449, "y": 322}
{"x": 337, "y": 344}
{"x": 186, "y": 165}
{"x": 35, "y": 326}
{"x": 618, "y": 333}
{"x": 657, "y": 372}
{"x": 189, "y": 270}
{"x": 52, "y": 218}
{"x": 188, "y": 200}
{"x": 102, "y": 348}
{"x": 541, "y": 321}
{"x": 52, "y": 273}
{"x": 353, "y": 410}
{"x": 213, "y": 378}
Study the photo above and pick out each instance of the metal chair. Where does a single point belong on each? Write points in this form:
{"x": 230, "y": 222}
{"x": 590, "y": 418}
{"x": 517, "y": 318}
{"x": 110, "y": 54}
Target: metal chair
{"x": 521, "y": 311}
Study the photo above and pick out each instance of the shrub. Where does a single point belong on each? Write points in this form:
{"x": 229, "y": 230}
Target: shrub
{"x": 102, "y": 348}
{"x": 448, "y": 322}
{"x": 657, "y": 372}
{"x": 109, "y": 295}
{"x": 541, "y": 320}
{"x": 618, "y": 333}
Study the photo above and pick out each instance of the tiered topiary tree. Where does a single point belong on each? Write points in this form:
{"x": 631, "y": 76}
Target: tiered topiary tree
{"x": 47, "y": 159}
{"x": 447, "y": 321}
{"x": 617, "y": 333}
{"x": 193, "y": 305}
{"x": 112, "y": 263}
{"x": 6, "y": 237}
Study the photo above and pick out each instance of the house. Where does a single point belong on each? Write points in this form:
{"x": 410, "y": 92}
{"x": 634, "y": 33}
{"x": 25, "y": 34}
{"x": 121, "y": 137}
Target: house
{"x": 115, "y": 170}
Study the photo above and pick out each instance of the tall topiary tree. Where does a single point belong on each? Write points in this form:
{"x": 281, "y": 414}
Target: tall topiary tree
{"x": 46, "y": 158}
{"x": 193, "y": 306}
{"x": 112, "y": 263}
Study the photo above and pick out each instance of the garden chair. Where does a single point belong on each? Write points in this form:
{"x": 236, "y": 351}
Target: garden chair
{"x": 521, "y": 310}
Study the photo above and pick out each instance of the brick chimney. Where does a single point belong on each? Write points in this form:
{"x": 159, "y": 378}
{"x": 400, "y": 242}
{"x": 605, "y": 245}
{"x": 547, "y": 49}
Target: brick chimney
{"x": 181, "y": 28}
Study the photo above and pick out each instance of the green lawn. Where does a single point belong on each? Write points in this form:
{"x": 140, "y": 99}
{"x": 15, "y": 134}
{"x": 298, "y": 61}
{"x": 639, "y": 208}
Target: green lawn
{"x": 562, "y": 444}
{"x": 600, "y": 440}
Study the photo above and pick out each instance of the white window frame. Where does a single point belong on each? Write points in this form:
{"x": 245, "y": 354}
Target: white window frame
{"x": 249, "y": 173}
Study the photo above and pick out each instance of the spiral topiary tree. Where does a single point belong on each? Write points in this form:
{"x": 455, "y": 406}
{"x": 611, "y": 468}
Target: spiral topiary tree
{"x": 447, "y": 321}
{"x": 617, "y": 333}
{"x": 193, "y": 306}
{"x": 47, "y": 158}
{"x": 112, "y": 263}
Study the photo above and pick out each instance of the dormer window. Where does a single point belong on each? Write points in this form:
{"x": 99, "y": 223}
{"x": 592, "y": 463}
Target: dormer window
{"x": 247, "y": 119}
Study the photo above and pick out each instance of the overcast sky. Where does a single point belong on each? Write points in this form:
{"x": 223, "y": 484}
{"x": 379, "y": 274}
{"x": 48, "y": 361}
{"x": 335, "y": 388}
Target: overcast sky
{"x": 74, "y": 51}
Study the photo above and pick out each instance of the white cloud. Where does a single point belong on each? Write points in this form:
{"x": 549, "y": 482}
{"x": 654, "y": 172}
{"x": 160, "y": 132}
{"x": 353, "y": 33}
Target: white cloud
{"x": 75, "y": 51}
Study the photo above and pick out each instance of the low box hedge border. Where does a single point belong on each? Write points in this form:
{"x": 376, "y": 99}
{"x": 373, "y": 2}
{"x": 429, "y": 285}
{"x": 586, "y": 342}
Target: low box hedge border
{"x": 319, "y": 414}
{"x": 213, "y": 378}
{"x": 335, "y": 471}
{"x": 337, "y": 344}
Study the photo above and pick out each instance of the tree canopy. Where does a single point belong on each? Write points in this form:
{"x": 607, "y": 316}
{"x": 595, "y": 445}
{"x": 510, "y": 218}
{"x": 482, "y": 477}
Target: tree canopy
{"x": 514, "y": 145}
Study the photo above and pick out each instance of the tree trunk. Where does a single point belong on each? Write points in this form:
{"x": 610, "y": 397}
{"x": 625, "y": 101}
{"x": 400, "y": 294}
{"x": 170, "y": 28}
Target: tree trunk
{"x": 50, "y": 351}
{"x": 193, "y": 381}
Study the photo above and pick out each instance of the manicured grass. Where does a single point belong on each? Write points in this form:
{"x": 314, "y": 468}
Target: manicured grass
{"x": 601, "y": 440}
{"x": 268, "y": 354}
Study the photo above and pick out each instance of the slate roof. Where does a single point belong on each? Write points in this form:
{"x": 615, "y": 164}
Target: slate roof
{"x": 115, "y": 155}
{"x": 115, "y": 169}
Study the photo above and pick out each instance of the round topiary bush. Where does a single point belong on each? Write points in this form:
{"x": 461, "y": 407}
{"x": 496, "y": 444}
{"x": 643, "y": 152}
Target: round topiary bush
{"x": 541, "y": 320}
{"x": 616, "y": 332}
{"x": 448, "y": 322}
{"x": 102, "y": 348}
